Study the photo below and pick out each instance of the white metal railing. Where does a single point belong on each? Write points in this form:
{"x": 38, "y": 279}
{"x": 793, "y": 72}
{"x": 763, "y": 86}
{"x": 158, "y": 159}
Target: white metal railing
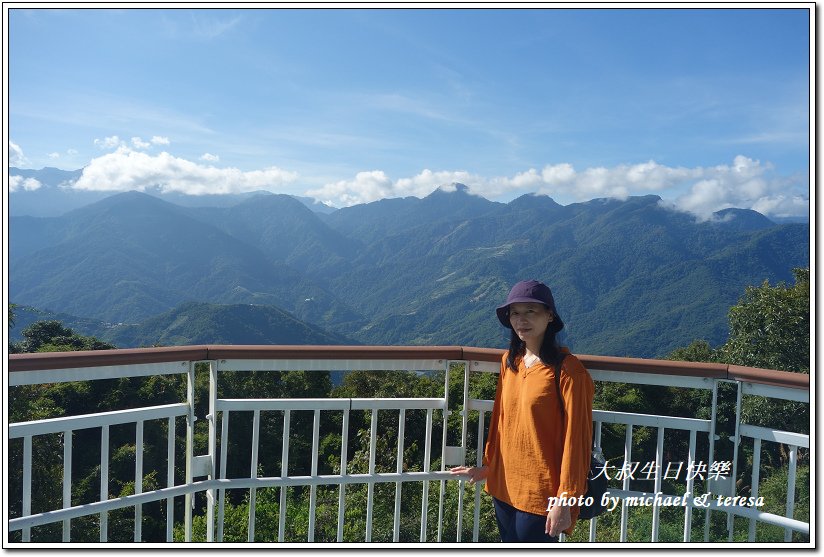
{"x": 759, "y": 434}
{"x": 345, "y": 406}
{"x": 66, "y": 426}
{"x": 213, "y": 465}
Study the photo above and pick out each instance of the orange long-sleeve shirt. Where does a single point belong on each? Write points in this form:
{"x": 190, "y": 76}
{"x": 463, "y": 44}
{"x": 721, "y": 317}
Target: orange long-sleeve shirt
{"x": 530, "y": 453}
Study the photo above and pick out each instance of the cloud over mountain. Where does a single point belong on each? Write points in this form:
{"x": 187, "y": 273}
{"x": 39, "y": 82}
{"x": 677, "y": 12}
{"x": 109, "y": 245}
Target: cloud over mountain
{"x": 376, "y": 185}
{"x": 125, "y": 170}
{"x": 748, "y": 184}
{"x": 701, "y": 191}
{"x": 18, "y": 183}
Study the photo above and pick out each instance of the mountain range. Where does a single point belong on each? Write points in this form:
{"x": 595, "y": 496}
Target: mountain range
{"x": 193, "y": 323}
{"x": 54, "y": 195}
{"x": 631, "y": 277}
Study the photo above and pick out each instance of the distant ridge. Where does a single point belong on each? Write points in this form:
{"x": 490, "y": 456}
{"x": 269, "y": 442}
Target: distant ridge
{"x": 132, "y": 256}
{"x": 631, "y": 277}
{"x": 193, "y": 323}
{"x": 56, "y": 197}
{"x": 203, "y": 323}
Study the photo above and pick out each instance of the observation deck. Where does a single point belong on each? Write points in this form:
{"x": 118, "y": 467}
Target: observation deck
{"x": 218, "y": 465}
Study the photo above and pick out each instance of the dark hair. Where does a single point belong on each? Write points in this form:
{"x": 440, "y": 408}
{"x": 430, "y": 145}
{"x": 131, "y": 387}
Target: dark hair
{"x": 549, "y": 353}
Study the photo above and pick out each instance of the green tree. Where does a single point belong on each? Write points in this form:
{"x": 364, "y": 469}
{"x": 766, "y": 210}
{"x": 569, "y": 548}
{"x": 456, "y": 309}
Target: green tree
{"x": 770, "y": 329}
{"x": 53, "y": 336}
{"x": 770, "y": 326}
{"x": 697, "y": 351}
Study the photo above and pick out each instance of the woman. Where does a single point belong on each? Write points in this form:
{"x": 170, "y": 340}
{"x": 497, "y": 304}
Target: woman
{"x": 535, "y": 449}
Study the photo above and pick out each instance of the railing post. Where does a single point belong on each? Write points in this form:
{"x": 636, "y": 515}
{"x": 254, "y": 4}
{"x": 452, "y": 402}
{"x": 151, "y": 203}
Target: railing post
{"x": 313, "y": 489}
{"x": 67, "y": 480}
{"x": 190, "y": 435}
{"x": 253, "y": 473}
{"x": 690, "y": 486}
{"x": 736, "y": 444}
{"x": 444, "y": 446}
{"x": 711, "y": 455}
{"x": 344, "y": 457}
{"x": 27, "y": 464}
{"x": 788, "y": 533}
{"x": 170, "y": 481}
{"x": 659, "y": 462}
{"x": 627, "y": 460}
{"x": 596, "y": 439}
{"x": 464, "y": 426}
{"x": 396, "y": 523}
{"x": 221, "y": 493}
{"x": 427, "y": 455}
{"x": 478, "y": 462}
{"x": 210, "y": 493}
{"x": 284, "y": 472}
{"x": 370, "y": 488}
{"x": 138, "y": 481}
{"x": 104, "y": 481}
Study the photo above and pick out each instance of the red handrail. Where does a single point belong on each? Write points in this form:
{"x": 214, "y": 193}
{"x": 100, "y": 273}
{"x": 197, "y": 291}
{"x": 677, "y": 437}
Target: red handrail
{"x": 20, "y": 363}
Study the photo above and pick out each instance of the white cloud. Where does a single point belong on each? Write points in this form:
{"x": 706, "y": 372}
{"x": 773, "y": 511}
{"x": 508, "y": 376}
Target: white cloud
{"x": 16, "y": 156}
{"x": 375, "y": 185}
{"x": 17, "y": 183}
{"x": 526, "y": 180}
{"x": 112, "y": 142}
{"x": 209, "y": 157}
{"x": 783, "y": 206}
{"x": 746, "y": 184}
{"x": 617, "y": 182}
{"x": 126, "y": 170}
{"x": 558, "y": 174}
{"x": 54, "y": 155}
{"x": 138, "y": 143}
{"x": 427, "y": 181}
{"x": 366, "y": 187}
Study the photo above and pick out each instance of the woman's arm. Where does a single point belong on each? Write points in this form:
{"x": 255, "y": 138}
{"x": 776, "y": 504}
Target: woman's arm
{"x": 577, "y": 390}
{"x": 476, "y": 474}
{"x": 480, "y": 473}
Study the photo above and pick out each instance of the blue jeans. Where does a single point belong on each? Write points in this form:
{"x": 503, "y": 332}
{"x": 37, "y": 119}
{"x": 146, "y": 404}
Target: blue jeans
{"x": 520, "y": 526}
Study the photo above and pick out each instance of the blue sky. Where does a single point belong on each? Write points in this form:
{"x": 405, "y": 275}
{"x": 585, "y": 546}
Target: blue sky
{"x": 708, "y": 108}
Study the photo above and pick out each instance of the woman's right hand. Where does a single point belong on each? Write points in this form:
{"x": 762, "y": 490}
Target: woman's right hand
{"x": 476, "y": 474}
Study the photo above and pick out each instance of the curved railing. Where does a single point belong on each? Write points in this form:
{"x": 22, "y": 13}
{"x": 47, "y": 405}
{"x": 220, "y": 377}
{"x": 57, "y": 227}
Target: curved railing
{"x": 30, "y": 369}
{"x": 132, "y": 356}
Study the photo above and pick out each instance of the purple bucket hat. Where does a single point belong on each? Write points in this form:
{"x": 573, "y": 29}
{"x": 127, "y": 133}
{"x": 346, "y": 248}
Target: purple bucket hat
{"x": 530, "y": 291}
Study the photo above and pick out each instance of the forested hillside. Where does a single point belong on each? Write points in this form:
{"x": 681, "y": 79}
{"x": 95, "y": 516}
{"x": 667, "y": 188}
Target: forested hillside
{"x": 631, "y": 278}
{"x": 200, "y": 323}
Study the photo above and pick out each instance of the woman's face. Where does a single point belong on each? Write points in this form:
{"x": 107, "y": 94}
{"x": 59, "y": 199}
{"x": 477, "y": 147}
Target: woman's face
{"x": 529, "y": 320}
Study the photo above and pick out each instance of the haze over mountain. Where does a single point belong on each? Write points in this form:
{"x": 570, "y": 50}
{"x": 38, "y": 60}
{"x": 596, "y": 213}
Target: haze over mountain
{"x": 202, "y": 323}
{"x": 630, "y": 277}
{"x": 193, "y": 323}
{"x": 48, "y": 192}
